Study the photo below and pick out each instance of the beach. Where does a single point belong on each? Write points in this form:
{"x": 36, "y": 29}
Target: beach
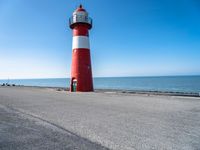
{"x": 48, "y": 118}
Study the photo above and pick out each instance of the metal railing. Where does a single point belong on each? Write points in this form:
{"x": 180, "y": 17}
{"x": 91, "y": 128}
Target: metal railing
{"x": 80, "y": 19}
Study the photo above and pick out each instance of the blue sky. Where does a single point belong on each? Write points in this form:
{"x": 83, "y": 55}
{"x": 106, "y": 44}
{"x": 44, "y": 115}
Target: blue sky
{"x": 129, "y": 38}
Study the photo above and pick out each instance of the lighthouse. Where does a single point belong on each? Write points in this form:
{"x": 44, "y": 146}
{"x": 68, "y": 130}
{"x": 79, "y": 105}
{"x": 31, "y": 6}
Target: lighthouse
{"x": 81, "y": 69}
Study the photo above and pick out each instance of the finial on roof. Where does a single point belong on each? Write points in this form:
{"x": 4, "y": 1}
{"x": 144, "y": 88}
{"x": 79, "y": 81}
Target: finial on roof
{"x": 81, "y": 6}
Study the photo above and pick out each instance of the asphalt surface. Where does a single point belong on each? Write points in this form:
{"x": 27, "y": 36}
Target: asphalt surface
{"x": 36, "y": 118}
{"x": 19, "y": 131}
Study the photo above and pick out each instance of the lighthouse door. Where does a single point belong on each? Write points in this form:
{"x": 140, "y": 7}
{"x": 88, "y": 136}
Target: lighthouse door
{"x": 74, "y": 85}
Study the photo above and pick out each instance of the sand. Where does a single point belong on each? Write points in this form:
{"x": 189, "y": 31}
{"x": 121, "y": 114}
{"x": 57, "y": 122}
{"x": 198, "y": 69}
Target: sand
{"x": 44, "y": 118}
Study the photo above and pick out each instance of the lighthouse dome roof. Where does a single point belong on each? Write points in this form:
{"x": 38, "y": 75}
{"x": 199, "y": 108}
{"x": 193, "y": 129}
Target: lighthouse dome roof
{"x": 80, "y": 8}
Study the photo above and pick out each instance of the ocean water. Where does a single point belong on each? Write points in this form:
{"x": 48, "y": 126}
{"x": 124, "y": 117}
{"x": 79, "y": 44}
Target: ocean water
{"x": 163, "y": 84}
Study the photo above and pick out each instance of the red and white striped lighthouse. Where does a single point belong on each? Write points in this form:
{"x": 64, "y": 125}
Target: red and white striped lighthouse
{"x": 81, "y": 69}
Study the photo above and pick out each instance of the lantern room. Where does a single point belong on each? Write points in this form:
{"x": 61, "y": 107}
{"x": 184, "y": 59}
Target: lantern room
{"x": 80, "y": 16}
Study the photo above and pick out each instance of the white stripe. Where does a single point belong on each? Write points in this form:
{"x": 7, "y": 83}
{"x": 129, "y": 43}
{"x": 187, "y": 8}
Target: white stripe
{"x": 80, "y": 42}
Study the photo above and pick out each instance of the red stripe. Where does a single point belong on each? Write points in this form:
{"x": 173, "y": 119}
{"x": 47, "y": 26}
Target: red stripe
{"x": 81, "y": 30}
{"x": 82, "y": 69}
{"x": 77, "y": 49}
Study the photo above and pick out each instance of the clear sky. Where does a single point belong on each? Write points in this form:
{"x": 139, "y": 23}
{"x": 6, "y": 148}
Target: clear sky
{"x": 129, "y": 37}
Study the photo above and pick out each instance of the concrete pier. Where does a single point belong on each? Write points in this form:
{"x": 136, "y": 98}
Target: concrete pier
{"x": 43, "y": 118}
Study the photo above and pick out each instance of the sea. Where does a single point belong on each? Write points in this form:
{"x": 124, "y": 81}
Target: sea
{"x": 184, "y": 84}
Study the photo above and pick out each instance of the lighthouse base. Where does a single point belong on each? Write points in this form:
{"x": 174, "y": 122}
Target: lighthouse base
{"x": 81, "y": 75}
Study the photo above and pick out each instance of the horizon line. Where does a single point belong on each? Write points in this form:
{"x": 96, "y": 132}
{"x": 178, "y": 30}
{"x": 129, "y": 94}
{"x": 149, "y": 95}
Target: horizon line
{"x": 102, "y": 77}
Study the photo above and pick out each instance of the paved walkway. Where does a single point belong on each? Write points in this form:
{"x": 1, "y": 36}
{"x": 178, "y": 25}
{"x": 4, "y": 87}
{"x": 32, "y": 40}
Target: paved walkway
{"x": 34, "y": 118}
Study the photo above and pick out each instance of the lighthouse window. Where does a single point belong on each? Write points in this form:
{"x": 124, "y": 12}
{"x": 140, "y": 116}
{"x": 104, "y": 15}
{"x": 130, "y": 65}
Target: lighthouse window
{"x": 74, "y": 18}
{"x": 80, "y": 18}
{"x": 86, "y": 18}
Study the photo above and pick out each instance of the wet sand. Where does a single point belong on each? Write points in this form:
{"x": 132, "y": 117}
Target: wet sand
{"x": 46, "y": 118}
